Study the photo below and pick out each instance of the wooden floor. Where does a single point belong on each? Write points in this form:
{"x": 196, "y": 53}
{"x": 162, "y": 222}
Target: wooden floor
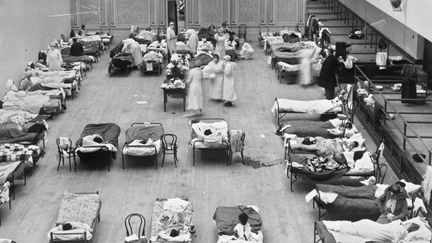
{"x": 286, "y": 216}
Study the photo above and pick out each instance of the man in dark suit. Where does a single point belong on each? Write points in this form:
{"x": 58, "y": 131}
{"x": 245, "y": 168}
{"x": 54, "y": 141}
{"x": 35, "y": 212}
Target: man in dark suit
{"x": 77, "y": 48}
{"x": 327, "y": 78}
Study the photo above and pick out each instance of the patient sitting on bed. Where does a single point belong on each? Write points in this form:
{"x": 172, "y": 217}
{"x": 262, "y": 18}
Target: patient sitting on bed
{"x": 243, "y": 232}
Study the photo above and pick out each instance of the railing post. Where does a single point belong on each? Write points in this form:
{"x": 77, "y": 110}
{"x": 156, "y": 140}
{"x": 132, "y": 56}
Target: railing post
{"x": 404, "y": 135}
{"x": 430, "y": 156}
{"x": 385, "y": 105}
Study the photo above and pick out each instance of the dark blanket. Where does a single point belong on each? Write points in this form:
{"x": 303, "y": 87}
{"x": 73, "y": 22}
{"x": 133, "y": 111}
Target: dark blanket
{"x": 109, "y": 132}
{"x": 144, "y": 132}
{"x": 353, "y": 209}
{"x": 227, "y": 218}
{"x": 201, "y": 60}
{"x": 305, "y": 128}
{"x": 122, "y": 60}
{"x": 12, "y": 133}
{"x": 367, "y": 192}
{"x": 117, "y": 49}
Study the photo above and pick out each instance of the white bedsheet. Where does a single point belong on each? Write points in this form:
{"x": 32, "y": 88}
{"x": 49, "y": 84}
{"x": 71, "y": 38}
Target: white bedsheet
{"x": 142, "y": 151}
{"x": 307, "y": 106}
{"x": 368, "y": 230}
{"x": 258, "y": 238}
{"x": 363, "y": 164}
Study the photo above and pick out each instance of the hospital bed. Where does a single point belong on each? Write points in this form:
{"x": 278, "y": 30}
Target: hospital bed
{"x": 169, "y": 214}
{"x": 50, "y": 102}
{"x": 306, "y": 109}
{"x": 33, "y": 133}
{"x": 226, "y": 219}
{"x": 152, "y": 62}
{"x": 121, "y": 62}
{"x": 68, "y": 80}
{"x": 361, "y": 202}
{"x": 82, "y": 210}
{"x": 99, "y": 152}
{"x": 210, "y": 134}
{"x": 143, "y": 140}
{"x": 337, "y": 169}
{"x": 325, "y": 234}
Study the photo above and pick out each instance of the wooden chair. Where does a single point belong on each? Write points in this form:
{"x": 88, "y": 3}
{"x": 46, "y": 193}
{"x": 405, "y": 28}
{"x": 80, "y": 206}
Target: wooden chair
{"x": 141, "y": 228}
{"x": 242, "y": 31}
{"x": 169, "y": 142}
{"x": 65, "y": 149}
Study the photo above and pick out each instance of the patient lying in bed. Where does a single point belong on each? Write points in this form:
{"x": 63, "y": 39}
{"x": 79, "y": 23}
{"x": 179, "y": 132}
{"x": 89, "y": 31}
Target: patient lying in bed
{"x": 415, "y": 229}
{"x": 94, "y": 142}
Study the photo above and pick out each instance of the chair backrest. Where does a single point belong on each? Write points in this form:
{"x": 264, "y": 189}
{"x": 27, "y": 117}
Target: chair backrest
{"x": 242, "y": 31}
{"x": 64, "y": 144}
{"x": 142, "y": 224}
{"x": 169, "y": 140}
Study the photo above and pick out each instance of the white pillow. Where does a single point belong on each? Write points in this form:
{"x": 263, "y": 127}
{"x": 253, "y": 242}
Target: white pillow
{"x": 411, "y": 188}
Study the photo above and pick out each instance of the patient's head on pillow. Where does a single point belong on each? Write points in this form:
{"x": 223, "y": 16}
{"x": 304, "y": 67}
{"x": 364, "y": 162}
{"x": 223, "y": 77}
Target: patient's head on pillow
{"x": 352, "y": 145}
{"x": 174, "y": 233}
{"x": 67, "y": 226}
{"x": 412, "y": 227}
{"x": 243, "y": 218}
{"x": 98, "y": 139}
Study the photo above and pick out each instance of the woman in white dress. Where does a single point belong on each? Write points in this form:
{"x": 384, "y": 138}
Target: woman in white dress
{"x": 192, "y": 36}
{"x": 194, "y": 96}
{"x": 229, "y": 89}
{"x": 130, "y": 46}
{"x": 171, "y": 39}
{"x": 220, "y": 38}
{"x": 54, "y": 58}
{"x": 215, "y": 70}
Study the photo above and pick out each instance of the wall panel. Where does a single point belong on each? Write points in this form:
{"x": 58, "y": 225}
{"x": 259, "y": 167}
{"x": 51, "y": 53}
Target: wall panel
{"x": 130, "y": 12}
{"x": 249, "y": 12}
{"x": 211, "y": 12}
{"x": 286, "y": 12}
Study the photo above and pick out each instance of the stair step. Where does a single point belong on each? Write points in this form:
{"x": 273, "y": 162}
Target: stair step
{"x": 340, "y": 22}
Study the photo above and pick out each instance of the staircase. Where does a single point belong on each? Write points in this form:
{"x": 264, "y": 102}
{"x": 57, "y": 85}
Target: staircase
{"x": 342, "y": 21}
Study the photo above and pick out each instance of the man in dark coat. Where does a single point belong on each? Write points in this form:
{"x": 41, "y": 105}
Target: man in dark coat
{"x": 327, "y": 78}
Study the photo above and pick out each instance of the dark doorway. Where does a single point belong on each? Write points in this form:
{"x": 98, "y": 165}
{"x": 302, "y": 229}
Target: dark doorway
{"x": 427, "y": 60}
{"x": 176, "y": 14}
{"x": 172, "y": 14}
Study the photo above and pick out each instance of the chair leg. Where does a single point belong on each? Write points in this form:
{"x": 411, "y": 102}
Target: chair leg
{"x": 156, "y": 161}
{"x": 58, "y": 167}
{"x": 193, "y": 156}
{"x": 123, "y": 161}
{"x": 163, "y": 158}
{"x": 63, "y": 160}
{"x": 175, "y": 157}
{"x": 25, "y": 178}
{"x": 75, "y": 164}
{"x": 70, "y": 165}
{"x": 241, "y": 153}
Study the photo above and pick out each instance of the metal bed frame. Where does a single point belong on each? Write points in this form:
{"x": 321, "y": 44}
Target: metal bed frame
{"x": 226, "y": 147}
{"x": 379, "y": 171}
{"x": 155, "y": 155}
{"x": 84, "y": 234}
